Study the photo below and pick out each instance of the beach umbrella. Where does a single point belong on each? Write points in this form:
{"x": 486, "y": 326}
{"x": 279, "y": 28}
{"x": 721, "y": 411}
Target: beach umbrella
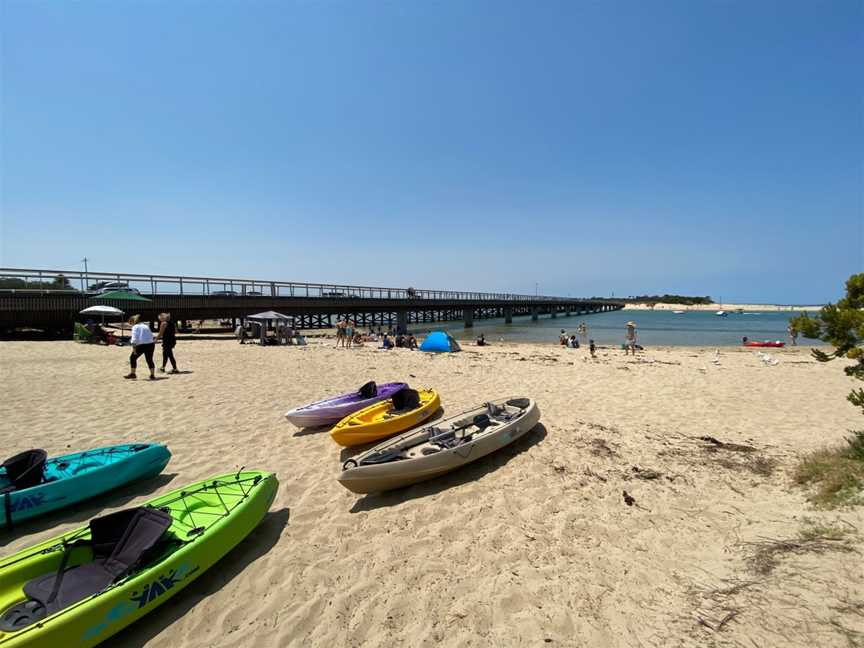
{"x": 103, "y": 311}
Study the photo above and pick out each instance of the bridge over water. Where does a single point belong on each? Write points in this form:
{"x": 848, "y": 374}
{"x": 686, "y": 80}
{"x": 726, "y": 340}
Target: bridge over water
{"x": 52, "y": 299}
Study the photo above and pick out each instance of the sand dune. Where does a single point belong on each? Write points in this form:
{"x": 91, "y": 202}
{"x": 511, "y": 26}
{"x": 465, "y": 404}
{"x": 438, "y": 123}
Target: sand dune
{"x": 534, "y": 545}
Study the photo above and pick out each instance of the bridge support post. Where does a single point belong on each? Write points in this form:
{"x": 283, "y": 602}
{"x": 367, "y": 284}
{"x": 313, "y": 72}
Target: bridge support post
{"x": 534, "y": 313}
{"x": 554, "y": 312}
{"x": 468, "y": 317}
{"x": 508, "y": 315}
{"x": 402, "y": 322}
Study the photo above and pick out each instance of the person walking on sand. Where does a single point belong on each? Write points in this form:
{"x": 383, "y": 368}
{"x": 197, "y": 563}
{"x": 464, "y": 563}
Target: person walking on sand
{"x": 630, "y": 339}
{"x": 142, "y": 344}
{"x": 168, "y": 335}
{"x": 340, "y": 333}
{"x": 592, "y": 348}
{"x": 349, "y": 333}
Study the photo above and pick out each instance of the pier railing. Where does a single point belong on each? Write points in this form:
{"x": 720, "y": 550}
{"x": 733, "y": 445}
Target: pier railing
{"x": 21, "y": 280}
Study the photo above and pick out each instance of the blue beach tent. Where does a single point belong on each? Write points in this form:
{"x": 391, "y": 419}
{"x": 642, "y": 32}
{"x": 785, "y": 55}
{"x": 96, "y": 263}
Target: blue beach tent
{"x": 440, "y": 342}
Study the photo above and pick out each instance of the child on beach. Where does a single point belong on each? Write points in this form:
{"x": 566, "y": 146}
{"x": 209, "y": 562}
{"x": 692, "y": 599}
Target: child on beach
{"x": 630, "y": 339}
{"x": 592, "y": 348}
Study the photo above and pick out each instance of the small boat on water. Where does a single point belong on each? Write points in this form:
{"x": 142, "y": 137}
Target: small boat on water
{"x": 437, "y": 449}
{"x": 721, "y": 313}
{"x": 678, "y": 312}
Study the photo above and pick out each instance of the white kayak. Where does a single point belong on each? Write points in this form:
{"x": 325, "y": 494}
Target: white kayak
{"x": 437, "y": 449}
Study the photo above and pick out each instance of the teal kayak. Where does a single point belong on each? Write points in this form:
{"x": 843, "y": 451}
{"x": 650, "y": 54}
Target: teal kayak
{"x": 31, "y": 484}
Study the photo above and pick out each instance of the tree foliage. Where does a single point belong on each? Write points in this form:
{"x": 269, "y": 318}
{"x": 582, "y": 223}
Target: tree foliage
{"x": 842, "y": 326}
{"x": 669, "y": 299}
{"x": 60, "y": 282}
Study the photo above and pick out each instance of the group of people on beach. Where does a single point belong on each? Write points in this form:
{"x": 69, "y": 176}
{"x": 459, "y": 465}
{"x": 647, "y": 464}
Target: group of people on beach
{"x": 348, "y": 335}
{"x": 572, "y": 341}
{"x": 144, "y": 343}
{"x": 630, "y": 339}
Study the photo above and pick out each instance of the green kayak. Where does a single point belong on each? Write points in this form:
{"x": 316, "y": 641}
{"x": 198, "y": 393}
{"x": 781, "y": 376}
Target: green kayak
{"x": 82, "y": 587}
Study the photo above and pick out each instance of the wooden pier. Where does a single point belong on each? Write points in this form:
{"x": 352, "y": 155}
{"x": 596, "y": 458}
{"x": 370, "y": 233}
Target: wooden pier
{"x": 52, "y": 300}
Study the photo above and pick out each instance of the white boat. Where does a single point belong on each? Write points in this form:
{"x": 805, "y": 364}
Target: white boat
{"x": 721, "y": 313}
{"x": 677, "y": 312}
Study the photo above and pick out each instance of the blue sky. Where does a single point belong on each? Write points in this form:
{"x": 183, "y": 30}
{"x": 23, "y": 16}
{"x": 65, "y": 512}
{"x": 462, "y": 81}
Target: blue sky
{"x": 638, "y": 147}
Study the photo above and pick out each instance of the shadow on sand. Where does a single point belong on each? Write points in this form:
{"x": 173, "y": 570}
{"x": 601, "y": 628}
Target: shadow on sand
{"x": 262, "y": 539}
{"x": 468, "y": 473}
{"x": 312, "y": 430}
{"x": 83, "y": 512}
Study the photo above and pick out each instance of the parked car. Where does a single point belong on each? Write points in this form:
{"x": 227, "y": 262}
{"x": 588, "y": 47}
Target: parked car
{"x": 223, "y": 293}
{"x": 254, "y": 293}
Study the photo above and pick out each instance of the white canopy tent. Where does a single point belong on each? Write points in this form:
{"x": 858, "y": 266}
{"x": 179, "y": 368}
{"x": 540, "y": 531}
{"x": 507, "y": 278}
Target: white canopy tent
{"x": 270, "y": 317}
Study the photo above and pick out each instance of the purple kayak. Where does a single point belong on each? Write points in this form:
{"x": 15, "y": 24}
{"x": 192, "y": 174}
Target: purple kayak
{"x": 333, "y": 410}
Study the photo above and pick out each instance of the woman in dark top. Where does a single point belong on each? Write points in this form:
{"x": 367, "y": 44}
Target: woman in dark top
{"x": 168, "y": 335}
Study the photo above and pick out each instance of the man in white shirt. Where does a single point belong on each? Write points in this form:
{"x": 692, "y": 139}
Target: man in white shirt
{"x": 142, "y": 343}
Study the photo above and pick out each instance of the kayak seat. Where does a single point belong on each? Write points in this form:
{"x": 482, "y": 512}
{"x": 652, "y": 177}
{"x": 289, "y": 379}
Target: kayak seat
{"x": 521, "y": 403}
{"x": 120, "y": 541}
{"x": 368, "y": 390}
{"x": 25, "y": 469}
{"x": 406, "y": 399}
{"x": 494, "y": 410}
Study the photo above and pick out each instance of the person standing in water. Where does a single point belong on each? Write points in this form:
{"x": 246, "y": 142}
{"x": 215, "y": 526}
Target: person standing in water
{"x": 142, "y": 344}
{"x": 168, "y": 335}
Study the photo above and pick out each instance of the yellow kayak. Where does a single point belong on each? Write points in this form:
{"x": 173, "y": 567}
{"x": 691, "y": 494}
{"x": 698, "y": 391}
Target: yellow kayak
{"x": 404, "y": 410}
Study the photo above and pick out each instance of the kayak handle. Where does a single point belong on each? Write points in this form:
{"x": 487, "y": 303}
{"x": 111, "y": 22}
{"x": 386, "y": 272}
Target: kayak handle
{"x": 345, "y": 465}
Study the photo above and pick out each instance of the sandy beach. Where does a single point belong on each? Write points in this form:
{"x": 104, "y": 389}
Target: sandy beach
{"x": 532, "y": 546}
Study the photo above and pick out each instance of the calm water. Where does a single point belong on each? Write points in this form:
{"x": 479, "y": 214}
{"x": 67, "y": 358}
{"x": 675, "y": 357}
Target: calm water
{"x": 655, "y": 328}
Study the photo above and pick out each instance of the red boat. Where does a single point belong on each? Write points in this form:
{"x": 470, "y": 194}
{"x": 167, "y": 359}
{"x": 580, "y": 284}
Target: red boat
{"x": 765, "y": 343}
